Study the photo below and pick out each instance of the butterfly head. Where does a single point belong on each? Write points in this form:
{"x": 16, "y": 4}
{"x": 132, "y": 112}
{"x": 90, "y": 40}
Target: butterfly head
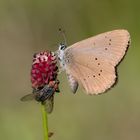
{"x": 62, "y": 47}
{"x": 60, "y": 53}
{"x": 61, "y": 50}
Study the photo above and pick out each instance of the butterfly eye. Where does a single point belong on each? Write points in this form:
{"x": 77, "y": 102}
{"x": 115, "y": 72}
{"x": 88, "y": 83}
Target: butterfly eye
{"x": 62, "y": 47}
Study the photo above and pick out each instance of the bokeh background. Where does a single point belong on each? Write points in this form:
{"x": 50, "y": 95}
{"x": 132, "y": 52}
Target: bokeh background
{"x": 29, "y": 26}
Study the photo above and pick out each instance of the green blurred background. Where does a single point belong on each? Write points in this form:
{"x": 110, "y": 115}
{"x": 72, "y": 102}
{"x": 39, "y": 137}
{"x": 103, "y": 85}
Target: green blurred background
{"x": 29, "y": 26}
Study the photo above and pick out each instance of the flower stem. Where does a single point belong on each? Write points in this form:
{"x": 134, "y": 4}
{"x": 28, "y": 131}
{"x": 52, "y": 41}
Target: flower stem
{"x": 45, "y": 121}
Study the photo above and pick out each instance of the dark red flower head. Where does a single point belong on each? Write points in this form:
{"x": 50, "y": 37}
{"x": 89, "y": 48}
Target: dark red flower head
{"x": 44, "y": 69}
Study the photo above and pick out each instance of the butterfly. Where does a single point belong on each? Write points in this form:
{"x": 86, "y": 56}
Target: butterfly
{"x": 92, "y": 62}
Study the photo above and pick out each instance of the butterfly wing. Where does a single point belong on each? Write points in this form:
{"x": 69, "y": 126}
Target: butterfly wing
{"x": 92, "y": 62}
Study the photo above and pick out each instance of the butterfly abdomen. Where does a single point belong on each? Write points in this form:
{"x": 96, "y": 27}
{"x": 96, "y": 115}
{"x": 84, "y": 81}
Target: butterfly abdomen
{"x": 73, "y": 83}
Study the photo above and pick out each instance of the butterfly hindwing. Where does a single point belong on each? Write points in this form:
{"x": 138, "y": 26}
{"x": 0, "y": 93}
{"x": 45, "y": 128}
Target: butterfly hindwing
{"x": 94, "y": 81}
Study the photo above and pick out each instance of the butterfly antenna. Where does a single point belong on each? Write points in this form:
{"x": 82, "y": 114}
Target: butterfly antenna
{"x": 62, "y": 32}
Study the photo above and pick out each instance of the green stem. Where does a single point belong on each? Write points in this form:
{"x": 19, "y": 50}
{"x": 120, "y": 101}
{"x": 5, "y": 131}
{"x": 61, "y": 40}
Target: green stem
{"x": 45, "y": 121}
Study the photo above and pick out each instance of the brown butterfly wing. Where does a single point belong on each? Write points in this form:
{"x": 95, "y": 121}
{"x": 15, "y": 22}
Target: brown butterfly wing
{"x": 94, "y": 81}
{"x": 92, "y": 61}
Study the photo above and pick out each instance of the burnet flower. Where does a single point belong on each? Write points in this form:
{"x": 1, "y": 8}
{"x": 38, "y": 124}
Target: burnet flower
{"x": 44, "y": 79}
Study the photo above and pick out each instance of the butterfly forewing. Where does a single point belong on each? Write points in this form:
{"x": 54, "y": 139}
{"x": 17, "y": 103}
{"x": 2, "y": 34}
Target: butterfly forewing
{"x": 110, "y": 46}
{"x": 92, "y": 61}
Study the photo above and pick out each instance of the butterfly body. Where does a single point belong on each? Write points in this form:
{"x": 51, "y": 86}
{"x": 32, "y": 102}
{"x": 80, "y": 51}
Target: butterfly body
{"x": 63, "y": 60}
{"x": 92, "y": 62}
